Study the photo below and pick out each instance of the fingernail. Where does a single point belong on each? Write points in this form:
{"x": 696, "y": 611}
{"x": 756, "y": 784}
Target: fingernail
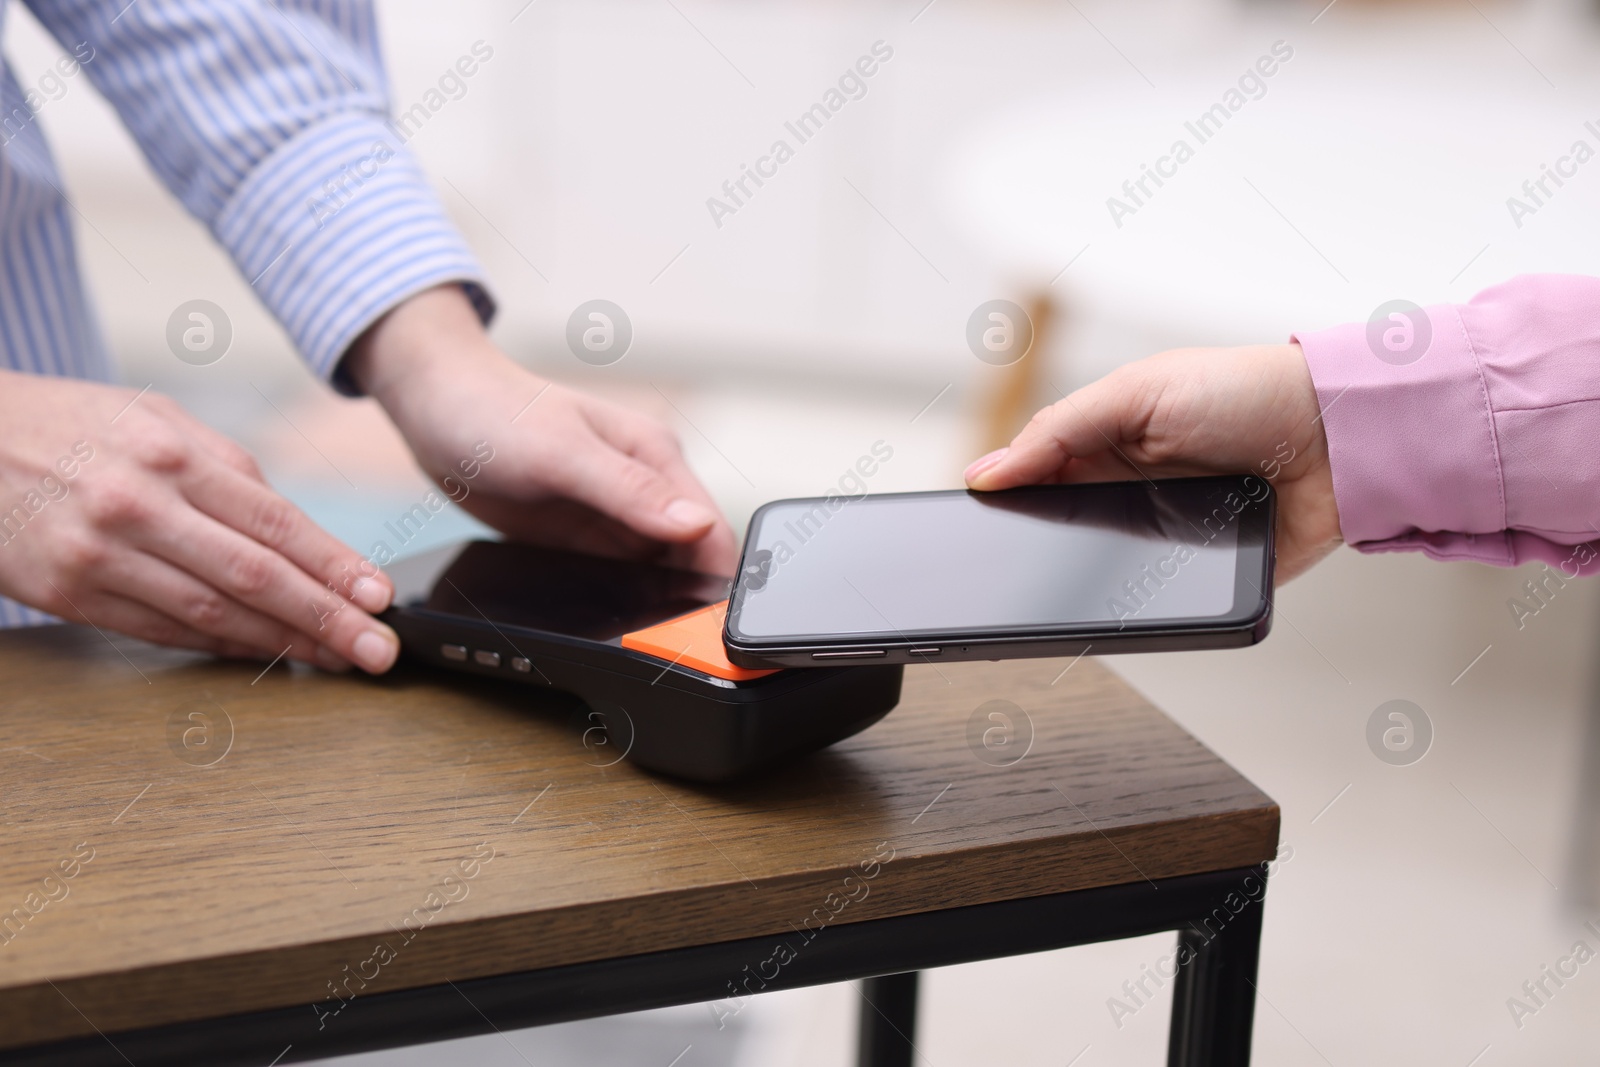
{"x": 689, "y": 515}
{"x": 376, "y": 650}
{"x": 983, "y": 463}
{"x": 370, "y": 594}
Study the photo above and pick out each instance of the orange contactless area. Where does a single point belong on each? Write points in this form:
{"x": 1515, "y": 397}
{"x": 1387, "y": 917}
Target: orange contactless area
{"x": 694, "y": 641}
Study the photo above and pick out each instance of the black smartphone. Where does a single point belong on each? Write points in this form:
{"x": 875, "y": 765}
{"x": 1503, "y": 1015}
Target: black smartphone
{"x": 1144, "y": 566}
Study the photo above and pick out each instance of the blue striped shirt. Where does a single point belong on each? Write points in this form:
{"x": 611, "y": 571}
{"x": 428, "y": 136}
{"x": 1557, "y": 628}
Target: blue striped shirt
{"x": 269, "y": 120}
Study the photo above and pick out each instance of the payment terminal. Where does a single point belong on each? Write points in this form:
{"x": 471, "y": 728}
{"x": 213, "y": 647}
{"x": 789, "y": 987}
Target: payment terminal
{"x": 640, "y": 644}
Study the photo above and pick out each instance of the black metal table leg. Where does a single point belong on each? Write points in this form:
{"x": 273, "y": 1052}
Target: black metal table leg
{"x": 888, "y": 1020}
{"x": 1214, "y": 998}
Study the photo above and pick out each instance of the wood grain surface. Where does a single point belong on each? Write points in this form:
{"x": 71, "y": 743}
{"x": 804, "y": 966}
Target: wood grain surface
{"x": 312, "y": 837}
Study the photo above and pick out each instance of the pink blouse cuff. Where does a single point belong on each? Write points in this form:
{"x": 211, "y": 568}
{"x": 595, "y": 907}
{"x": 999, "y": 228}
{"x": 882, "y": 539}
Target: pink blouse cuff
{"x": 1411, "y": 437}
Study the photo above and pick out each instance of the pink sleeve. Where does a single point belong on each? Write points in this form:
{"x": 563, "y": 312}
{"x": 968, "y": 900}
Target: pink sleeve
{"x": 1470, "y": 431}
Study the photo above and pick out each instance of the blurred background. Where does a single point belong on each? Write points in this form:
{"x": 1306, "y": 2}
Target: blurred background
{"x": 830, "y": 311}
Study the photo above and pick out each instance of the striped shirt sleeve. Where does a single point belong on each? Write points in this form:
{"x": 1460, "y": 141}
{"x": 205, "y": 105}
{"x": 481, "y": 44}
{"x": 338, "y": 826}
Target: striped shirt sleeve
{"x": 269, "y": 120}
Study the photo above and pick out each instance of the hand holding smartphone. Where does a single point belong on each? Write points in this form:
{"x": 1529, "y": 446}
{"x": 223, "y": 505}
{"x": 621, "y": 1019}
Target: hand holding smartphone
{"x": 1146, "y": 566}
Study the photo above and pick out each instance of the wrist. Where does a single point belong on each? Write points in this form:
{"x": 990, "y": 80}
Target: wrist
{"x": 412, "y": 342}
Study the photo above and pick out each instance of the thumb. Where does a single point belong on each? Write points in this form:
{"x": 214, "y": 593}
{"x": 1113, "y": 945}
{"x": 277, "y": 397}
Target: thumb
{"x": 1099, "y": 417}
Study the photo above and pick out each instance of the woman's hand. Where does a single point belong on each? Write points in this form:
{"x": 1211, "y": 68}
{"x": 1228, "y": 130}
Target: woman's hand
{"x": 569, "y": 470}
{"x": 1186, "y": 412}
{"x": 120, "y": 510}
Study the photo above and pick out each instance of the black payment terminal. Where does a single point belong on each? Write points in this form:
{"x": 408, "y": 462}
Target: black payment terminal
{"x": 640, "y": 644}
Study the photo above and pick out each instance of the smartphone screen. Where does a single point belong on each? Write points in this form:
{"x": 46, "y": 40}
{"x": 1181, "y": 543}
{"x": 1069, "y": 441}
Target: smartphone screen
{"x": 1055, "y": 559}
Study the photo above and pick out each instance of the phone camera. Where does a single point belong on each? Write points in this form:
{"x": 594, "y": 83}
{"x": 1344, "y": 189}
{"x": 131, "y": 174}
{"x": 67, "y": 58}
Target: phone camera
{"x": 758, "y": 570}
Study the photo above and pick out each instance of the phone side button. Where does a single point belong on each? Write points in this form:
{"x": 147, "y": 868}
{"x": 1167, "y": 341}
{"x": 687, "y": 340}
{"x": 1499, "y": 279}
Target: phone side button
{"x": 458, "y": 653}
{"x": 867, "y": 654}
{"x": 922, "y": 651}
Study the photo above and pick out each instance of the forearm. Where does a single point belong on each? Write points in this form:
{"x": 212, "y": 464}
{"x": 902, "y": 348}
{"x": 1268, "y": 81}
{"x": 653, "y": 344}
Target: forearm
{"x": 1480, "y": 447}
{"x": 271, "y": 123}
{"x": 200, "y": 84}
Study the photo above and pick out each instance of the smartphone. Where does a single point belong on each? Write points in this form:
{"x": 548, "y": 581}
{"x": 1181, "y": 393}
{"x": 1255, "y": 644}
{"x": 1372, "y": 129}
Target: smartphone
{"x": 1141, "y": 566}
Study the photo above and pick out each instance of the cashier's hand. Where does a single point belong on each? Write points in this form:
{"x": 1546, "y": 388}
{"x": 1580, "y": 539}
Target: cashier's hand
{"x": 120, "y": 510}
{"x": 568, "y": 470}
{"x": 1189, "y": 412}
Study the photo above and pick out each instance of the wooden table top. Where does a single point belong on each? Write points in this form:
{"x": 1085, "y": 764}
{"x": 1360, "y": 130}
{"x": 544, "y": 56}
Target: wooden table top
{"x": 463, "y": 826}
